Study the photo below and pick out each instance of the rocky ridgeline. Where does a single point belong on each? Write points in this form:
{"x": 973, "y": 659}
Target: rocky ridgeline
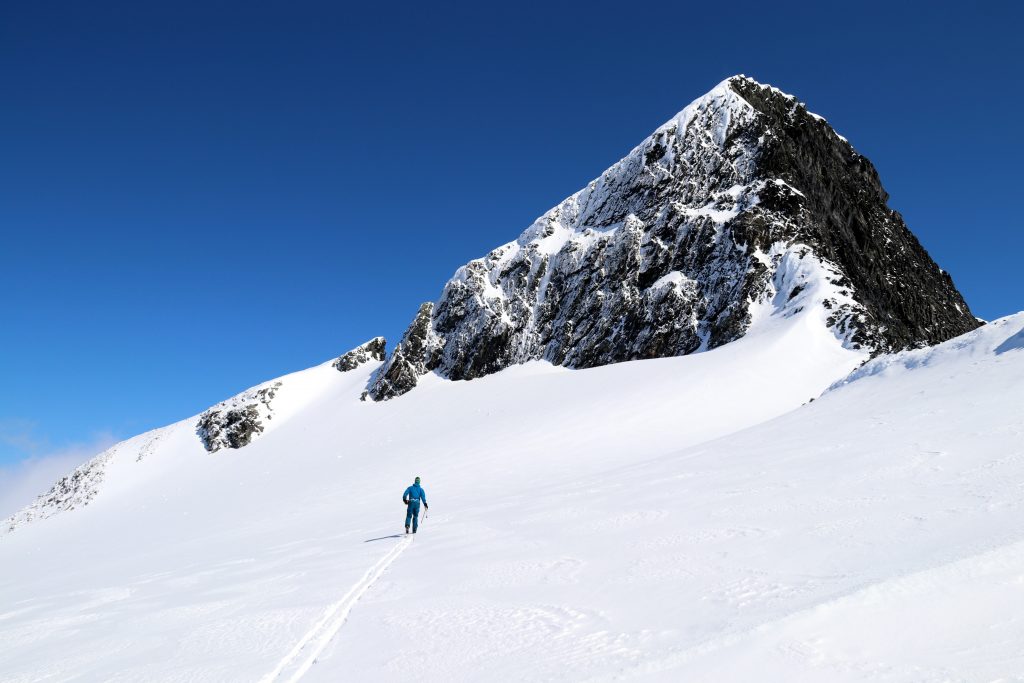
{"x": 412, "y": 358}
{"x": 373, "y": 350}
{"x": 73, "y": 491}
{"x": 230, "y": 424}
{"x": 669, "y": 250}
{"x": 236, "y": 422}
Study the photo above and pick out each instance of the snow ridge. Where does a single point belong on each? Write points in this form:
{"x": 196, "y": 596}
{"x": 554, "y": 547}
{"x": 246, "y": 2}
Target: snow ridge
{"x": 994, "y": 339}
{"x": 75, "y": 490}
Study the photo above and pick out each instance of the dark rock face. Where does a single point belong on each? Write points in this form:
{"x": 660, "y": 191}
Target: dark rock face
{"x": 230, "y": 428}
{"x": 843, "y": 214}
{"x": 234, "y": 423}
{"x": 373, "y": 350}
{"x": 743, "y": 201}
{"x": 410, "y": 359}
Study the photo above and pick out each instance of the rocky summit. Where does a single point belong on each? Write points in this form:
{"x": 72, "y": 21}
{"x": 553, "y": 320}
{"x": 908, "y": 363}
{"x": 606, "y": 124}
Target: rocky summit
{"x": 728, "y": 212}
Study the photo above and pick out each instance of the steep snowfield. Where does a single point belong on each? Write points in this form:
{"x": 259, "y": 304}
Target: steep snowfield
{"x": 675, "y": 519}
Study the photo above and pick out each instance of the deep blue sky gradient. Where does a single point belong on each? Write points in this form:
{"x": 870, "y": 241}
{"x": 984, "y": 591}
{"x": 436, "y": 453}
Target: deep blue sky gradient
{"x": 196, "y": 197}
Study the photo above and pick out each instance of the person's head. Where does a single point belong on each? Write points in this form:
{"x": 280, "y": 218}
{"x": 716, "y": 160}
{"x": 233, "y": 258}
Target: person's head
{"x": 417, "y": 480}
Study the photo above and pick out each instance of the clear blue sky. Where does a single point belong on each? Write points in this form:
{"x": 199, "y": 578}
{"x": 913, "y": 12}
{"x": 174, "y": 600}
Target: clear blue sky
{"x": 196, "y": 197}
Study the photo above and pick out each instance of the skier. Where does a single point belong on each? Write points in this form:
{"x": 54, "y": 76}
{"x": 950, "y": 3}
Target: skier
{"x": 411, "y": 499}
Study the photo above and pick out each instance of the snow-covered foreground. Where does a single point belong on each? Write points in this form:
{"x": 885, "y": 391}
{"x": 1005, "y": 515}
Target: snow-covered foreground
{"x": 676, "y": 519}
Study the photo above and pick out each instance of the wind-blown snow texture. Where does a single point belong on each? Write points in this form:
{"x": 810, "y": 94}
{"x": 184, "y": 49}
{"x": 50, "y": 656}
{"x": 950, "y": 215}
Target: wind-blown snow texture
{"x": 667, "y": 251}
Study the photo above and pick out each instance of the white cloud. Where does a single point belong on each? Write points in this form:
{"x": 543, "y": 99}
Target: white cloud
{"x": 22, "y": 481}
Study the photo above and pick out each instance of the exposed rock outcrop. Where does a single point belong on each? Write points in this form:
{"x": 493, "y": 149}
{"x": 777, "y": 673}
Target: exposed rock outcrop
{"x": 236, "y": 422}
{"x": 73, "y": 491}
{"x": 373, "y": 350}
{"x": 413, "y": 357}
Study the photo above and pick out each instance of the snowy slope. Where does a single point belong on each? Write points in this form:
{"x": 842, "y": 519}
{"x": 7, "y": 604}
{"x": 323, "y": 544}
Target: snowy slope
{"x": 674, "y": 519}
{"x": 876, "y": 534}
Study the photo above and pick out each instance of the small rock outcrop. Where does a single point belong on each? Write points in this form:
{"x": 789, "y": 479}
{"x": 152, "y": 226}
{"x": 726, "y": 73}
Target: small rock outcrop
{"x": 236, "y": 422}
{"x": 72, "y": 491}
{"x": 411, "y": 359}
{"x": 373, "y": 350}
{"x": 743, "y": 200}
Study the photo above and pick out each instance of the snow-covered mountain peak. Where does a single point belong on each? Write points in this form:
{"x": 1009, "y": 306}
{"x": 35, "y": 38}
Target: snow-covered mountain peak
{"x": 657, "y": 513}
{"x": 718, "y": 110}
{"x": 723, "y": 100}
{"x": 676, "y": 248}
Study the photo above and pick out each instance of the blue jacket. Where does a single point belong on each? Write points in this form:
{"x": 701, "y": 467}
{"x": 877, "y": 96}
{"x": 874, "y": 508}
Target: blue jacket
{"x": 414, "y": 493}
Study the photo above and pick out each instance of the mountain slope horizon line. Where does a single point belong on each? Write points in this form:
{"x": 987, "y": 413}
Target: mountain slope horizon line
{"x": 678, "y": 247}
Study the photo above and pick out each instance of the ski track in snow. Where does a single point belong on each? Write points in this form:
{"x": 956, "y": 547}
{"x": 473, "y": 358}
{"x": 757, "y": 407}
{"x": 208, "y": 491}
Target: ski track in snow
{"x": 331, "y": 622}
